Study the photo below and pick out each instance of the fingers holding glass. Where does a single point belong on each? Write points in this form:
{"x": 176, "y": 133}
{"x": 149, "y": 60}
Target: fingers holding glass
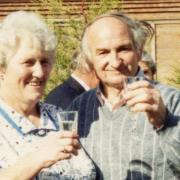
{"x": 132, "y": 96}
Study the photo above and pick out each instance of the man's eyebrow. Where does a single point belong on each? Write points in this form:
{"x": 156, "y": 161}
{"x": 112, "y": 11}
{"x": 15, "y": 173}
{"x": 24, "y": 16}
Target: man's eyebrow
{"x": 125, "y": 45}
{"x": 102, "y": 49}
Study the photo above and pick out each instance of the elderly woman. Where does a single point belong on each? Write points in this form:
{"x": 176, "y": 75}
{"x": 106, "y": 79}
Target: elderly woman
{"x": 31, "y": 145}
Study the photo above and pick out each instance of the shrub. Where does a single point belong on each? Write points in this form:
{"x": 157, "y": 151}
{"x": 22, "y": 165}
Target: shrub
{"x": 174, "y": 79}
{"x": 69, "y": 30}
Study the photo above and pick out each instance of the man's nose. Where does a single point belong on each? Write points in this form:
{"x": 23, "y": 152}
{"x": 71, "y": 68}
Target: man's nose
{"x": 115, "y": 60}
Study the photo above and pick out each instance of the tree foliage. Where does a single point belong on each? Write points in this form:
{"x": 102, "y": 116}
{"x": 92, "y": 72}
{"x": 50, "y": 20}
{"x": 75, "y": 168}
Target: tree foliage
{"x": 174, "y": 79}
{"x": 68, "y": 21}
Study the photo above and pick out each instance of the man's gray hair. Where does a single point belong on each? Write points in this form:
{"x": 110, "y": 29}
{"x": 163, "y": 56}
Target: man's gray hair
{"x": 20, "y": 25}
{"x": 139, "y": 30}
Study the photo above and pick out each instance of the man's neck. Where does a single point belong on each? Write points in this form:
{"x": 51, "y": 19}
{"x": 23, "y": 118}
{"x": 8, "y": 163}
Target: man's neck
{"x": 80, "y": 80}
{"x": 114, "y": 95}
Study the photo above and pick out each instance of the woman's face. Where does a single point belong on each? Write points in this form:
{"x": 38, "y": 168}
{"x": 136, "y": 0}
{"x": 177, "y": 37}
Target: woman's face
{"x": 27, "y": 73}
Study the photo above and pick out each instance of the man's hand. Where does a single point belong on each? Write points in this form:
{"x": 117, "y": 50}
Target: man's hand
{"x": 141, "y": 96}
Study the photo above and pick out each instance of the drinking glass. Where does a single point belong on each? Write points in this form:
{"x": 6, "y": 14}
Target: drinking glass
{"x": 68, "y": 120}
{"x": 134, "y": 115}
{"x": 80, "y": 164}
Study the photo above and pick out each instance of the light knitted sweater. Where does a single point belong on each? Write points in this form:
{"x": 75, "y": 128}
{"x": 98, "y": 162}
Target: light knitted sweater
{"x": 109, "y": 139}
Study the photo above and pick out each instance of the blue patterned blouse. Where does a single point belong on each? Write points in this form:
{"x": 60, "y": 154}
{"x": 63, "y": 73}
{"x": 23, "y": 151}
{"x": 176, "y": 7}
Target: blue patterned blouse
{"x": 16, "y": 139}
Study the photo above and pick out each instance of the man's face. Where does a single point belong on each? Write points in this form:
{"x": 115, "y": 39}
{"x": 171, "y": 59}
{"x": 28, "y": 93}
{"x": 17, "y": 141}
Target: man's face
{"x": 113, "y": 53}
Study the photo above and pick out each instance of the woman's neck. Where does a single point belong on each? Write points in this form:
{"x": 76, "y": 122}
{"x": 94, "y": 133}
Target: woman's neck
{"x": 28, "y": 109}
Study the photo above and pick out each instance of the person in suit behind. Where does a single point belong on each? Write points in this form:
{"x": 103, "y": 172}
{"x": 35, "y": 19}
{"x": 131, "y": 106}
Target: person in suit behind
{"x": 147, "y": 65}
{"x": 81, "y": 79}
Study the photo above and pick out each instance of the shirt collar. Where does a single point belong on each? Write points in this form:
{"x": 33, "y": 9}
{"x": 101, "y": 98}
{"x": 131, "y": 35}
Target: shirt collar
{"x": 82, "y": 83}
{"x": 23, "y": 123}
{"x": 104, "y": 101}
{"x": 139, "y": 72}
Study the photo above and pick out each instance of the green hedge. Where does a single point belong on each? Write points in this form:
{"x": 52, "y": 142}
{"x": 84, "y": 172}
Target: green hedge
{"x": 69, "y": 34}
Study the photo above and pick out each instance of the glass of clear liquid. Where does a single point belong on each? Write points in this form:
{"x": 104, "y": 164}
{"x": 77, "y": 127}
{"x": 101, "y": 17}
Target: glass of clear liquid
{"x": 78, "y": 166}
{"x": 133, "y": 115}
{"x": 68, "y": 120}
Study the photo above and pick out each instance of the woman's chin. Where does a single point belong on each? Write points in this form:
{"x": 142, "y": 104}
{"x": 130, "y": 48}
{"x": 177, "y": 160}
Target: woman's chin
{"x": 35, "y": 97}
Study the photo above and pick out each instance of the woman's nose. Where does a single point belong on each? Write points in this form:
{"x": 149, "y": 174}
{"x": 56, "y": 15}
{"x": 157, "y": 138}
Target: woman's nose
{"x": 38, "y": 70}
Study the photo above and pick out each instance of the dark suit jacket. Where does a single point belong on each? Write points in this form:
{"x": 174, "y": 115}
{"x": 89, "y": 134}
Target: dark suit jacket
{"x": 63, "y": 95}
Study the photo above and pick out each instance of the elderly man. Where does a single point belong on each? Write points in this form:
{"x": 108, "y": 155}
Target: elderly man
{"x": 132, "y": 132}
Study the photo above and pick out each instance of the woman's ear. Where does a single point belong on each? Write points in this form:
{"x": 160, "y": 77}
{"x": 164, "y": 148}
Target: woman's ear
{"x": 2, "y": 72}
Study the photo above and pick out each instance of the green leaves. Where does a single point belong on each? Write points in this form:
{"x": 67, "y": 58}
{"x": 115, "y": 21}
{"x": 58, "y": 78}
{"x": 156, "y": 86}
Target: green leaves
{"x": 68, "y": 21}
{"x": 175, "y": 75}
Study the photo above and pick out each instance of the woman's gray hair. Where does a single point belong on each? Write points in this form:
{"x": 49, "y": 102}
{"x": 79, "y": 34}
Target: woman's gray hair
{"x": 19, "y": 25}
{"x": 139, "y": 30}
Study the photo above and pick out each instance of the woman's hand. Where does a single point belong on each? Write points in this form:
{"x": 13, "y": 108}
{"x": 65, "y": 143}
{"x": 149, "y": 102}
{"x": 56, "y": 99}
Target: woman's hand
{"x": 56, "y": 146}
